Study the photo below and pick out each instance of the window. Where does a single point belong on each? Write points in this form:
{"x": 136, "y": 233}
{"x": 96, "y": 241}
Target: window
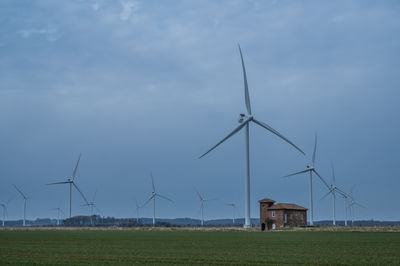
{"x": 285, "y": 218}
{"x": 273, "y": 213}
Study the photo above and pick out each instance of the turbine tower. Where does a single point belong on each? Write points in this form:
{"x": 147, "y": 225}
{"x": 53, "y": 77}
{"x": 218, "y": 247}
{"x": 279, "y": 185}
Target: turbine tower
{"x": 70, "y": 181}
{"x": 153, "y": 197}
{"x": 4, "y": 212}
{"x": 311, "y": 169}
{"x": 25, "y": 199}
{"x": 332, "y": 190}
{"x": 244, "y": 121}
{"x": 202, "y": 200}
{"x": 233, "y": 205}
{"x": 137, "y": 211}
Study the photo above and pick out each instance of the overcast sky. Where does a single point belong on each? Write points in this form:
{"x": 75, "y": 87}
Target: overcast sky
{"x": 148, "y": 86}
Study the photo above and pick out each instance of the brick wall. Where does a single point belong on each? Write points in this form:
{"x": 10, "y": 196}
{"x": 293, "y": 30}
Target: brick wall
{"x": 293, "y": 217}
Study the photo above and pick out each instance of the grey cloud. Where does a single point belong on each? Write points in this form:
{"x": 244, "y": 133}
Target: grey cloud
{"x": 154, "y": 91}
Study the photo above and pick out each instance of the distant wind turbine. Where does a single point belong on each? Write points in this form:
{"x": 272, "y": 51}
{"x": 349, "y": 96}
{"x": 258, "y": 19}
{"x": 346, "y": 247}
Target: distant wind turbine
{"x": 345, "y": 198}
{"x": 25, "y": 199}
{"x": 59, "y": 210}
{"x": 202, "y": 200}
{"x": 244, "y": 121}
{"x": 352, "y": 204}
{"x": 153, "y": 197}
{"x": 332, "y": 190}
{"x": 311, "y": 170}
{"x": 4, "y": 211}
{"x": 92, "y": 206}
{"x": 137, "y": 211}
{"x": 233, "y": 205}
{"x": 71, "y": 183}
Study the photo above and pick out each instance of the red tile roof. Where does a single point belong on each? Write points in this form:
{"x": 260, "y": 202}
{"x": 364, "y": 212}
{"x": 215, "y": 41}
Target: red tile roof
{"x": 266, "y": 200}
{"x": 286, "y": 206}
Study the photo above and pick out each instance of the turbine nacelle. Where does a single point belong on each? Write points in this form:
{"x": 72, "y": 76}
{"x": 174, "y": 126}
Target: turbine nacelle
{"x": 241, "y": 118}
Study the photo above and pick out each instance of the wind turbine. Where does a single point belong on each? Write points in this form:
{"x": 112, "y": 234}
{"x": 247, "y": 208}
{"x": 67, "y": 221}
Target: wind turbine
{"x": 153, "y": 197}
{"x": 92, "y": 206}
{"x": 311, "y": 169}
{"x": 4, "y": 211}
{"x": 71, "y": 183}
{"x": 244, "y": 121}
{"x": 25, "y": 199}
{"x": 202, "y": 200}
{"x": 332, "y": 190}
{"x": 137, "y": 211}
{"x": 345, "y": 198}
{"x": 233, "y": 205}
{"x": 352, "y": 204}
{"x": 59, "y": 210}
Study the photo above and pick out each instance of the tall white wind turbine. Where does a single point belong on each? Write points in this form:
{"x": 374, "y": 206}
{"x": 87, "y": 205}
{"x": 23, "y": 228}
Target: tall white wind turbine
{"x": 153, "y": 197}
{"x": 4, "y": 212}
{"x": 332, "y": 190}
{"x": 202, "y": 200}
{"x": 25, "y": 199}
{"x": 244, "y": 121}
{"x": 71, "y": 182}
{"x": 311, "y": 169}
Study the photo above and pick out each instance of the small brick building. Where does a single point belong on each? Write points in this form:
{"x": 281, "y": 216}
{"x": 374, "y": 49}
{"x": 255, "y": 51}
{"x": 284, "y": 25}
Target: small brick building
{"x": 281, "y": 214}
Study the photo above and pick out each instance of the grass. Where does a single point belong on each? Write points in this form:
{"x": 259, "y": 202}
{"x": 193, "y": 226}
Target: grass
{"x": 77, "y": 247}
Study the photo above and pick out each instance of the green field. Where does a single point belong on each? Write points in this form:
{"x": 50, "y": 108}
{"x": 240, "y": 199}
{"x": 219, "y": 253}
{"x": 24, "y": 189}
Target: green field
{"x": 74, "y": 247}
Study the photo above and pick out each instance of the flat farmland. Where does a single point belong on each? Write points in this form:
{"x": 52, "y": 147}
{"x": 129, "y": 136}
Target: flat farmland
{"x": 212, "y": 247}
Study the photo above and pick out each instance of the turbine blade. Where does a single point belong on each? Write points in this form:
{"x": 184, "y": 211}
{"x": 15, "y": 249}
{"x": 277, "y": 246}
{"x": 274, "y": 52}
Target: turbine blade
{"x": 341, "y": 192}
{"x": 330, "y": 191}
{"x": 76, "y": 167}
{"x": 333, "y": 174}
{"x": 344, "y": 194}
{"x": 57, "y": 183}
{"x": 227, "y": 137}
{"x": 323, "y": 180}
{"x": 315, "y": 150}
{"x": 267, "y": 127}
{"x": 148, "y": 201}
{"x": 198, "y": 194}
{"x": 20, "y": 192}
{"x": 161, "y": 196}
{"x": 246, "y": 87}
{"x": 152, "y": 182}
{"x": 297, "y": 173}
{"x": 95, "y": 194}
{"x": 80, "y": 192}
